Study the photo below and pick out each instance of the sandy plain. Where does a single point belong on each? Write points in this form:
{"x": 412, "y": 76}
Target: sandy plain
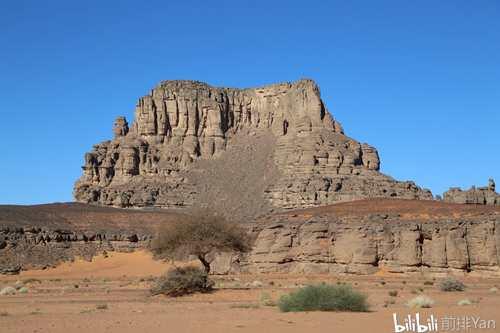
{"x": 111, "y": 294}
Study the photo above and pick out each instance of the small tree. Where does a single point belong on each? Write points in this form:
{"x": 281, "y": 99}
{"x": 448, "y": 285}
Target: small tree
{"x": 199, "y": 234}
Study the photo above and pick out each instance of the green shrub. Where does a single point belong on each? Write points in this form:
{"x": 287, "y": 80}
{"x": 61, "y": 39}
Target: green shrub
{"x": 182, "y": 281}
{"x": 324, "y": 297}
{"x": 23, "y": 290}
{"x": 451, "y": 284}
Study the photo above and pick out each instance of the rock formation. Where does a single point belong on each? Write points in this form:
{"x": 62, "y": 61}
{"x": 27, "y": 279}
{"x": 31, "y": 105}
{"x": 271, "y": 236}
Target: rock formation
{"x": 478, "y": 196}
{"x": 361, "y": 237}
{"x": 431, "y": 237}
{"x": 171, "y": 154}
{"x": 45, "y": 235}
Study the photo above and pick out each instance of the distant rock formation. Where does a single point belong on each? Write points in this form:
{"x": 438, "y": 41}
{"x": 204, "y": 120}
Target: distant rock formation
{"x": 251, "y": 150}
{"x": 478, "y": 196}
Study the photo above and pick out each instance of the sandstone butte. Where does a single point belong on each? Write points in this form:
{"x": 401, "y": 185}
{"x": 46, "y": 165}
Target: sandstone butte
{"x": 272, "y": 158}
{"x": 247, "y": 150}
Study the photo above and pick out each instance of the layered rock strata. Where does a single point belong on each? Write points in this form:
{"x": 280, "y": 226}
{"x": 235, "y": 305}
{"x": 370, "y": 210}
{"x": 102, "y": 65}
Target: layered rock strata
{"x": 479, "y": 196}
{"x": 157, "y": 161}
{"x": 398, "y": 236}
{"x": 45, "y": 235}
{"x": 376, "y": 243}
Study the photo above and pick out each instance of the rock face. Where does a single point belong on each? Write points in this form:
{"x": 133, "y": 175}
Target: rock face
{"x": 479, "y": 196}
{"x": 326, "y": 243}
{"x": 45, "y": 235}
{"x": 169, "y": 155}
{"x": 361, "y": 237}
{"x": 365, "y": 247}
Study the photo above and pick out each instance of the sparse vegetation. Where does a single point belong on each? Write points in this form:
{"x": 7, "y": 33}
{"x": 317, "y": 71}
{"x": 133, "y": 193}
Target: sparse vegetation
{"x": 388, "y": 302}
{"x": 8, "y": 291}
{"x": 493, "y": 290}
{"x": 464, "y": 302}
{"x": 393, "y": 293}
{"x": 245, "y": 306}
{"x": 324, "y": 297}
{"x": 414, "y": 291}
{"x": 451, "y": 284}
{"x": 101, "y": 306}
{"x": 182, "y": 281}
{"x": 23, "y": 290}
{"x": 4, "y": 314}
{"x": 32, "y": 280}
{"x": 198, "y": 235}
{"x": 428, "y": 283}
{"x": 421, "y": 301}
{"x": 266, "y": 300}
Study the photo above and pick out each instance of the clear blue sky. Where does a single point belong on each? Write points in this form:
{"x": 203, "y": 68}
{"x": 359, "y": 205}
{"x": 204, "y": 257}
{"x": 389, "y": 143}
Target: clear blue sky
{"x": 419, "y": 80}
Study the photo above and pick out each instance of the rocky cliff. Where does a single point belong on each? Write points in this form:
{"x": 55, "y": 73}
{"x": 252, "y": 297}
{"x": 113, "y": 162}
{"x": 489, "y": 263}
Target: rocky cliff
{"x": 475, "y": 195}
{"x": 266, "y": 148}
{"x": 45, "y": 235}
{"x": 370, "y": 236}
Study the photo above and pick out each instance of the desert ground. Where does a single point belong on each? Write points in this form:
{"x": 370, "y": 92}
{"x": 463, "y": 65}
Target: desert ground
{"x": 111, "y": 294}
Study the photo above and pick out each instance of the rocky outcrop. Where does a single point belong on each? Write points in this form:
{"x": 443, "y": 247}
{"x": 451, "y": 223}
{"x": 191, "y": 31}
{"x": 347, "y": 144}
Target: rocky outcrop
{"x": 182, "y": 128}
{"x": 45, "y": 235}
{"x": 377, "y": 244}
{"x": 361, "y": 237}
{"x": 479, "y": 196}
{"x": 431, "y": 241}
{"x": 35, "y": 248}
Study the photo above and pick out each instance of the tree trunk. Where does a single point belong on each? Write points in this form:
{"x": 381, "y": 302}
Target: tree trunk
{"x": 205, "y": 263}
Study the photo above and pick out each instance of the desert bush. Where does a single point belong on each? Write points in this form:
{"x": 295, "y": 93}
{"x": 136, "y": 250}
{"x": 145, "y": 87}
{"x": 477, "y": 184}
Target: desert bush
{"x": 182, "y": 281}
{"x": 428, "y": 283}
{"x": 32, "y": 280}
{"x": 199, "y": 234}
{"x": 245, "y": 306}
{"x": 8, "y": 291}
{"x": 393, "y": 293}
{"x": 464, "y": 302}
{"x": 451, "y": 284}
{"x": 324, "y": 297}
{"x": 417, "y": 290}
{"x": 101, "y": 306}
{"x": 421, "y": 301}
{"x": 389, "y": 302}
{"x": 266, "y": 299}
{"x": 23, "y": 290}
